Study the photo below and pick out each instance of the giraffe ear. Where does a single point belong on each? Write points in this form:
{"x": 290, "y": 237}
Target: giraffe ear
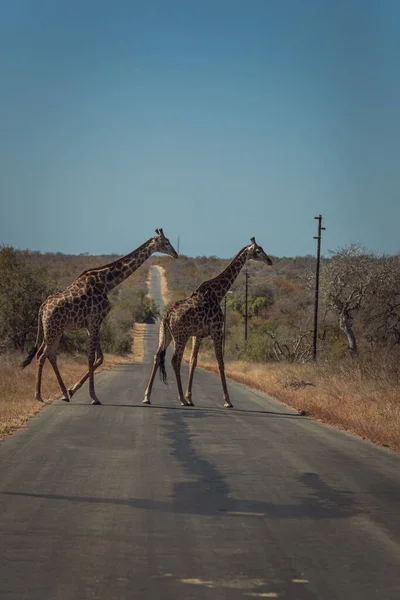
{"x": 253, "y": 240}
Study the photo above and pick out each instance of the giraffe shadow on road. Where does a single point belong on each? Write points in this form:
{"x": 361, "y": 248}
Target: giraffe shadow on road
{"x": 197, "y": 410}
{"x": 208, "y": 496}
{"x": 206, "y": 490}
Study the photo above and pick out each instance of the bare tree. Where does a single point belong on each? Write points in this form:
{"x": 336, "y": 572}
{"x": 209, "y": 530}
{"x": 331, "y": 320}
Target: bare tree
{"x": 347, "y": 279}
{"x": 381, "y": 311}
{"x": 296, "y": 350}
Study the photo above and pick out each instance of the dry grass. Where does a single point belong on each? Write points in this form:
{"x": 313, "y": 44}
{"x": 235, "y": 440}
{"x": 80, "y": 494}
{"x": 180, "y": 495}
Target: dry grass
{"x": 139, "y": 331}
{"x": 17, "y": 387}
{"x": 164, "y": 285}
{"x": 343, "y": 396}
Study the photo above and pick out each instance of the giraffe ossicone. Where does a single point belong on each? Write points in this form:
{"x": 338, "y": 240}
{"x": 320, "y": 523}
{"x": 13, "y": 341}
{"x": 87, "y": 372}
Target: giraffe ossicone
{"x": 199, "y": 316}
{"x": 84, "y": 305}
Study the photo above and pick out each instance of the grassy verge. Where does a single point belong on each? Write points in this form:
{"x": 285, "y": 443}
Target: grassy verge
{"x": 139, "y": 332}
{"x": 17, "y": 388}
{"x": 342, "y": 396}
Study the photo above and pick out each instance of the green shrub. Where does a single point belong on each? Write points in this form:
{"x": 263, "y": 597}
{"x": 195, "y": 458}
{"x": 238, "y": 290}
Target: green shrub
{"x": 23, "y": 288}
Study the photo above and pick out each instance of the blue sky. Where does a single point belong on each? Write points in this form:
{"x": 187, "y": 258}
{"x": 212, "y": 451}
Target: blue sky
{"x": 216, "y": 120}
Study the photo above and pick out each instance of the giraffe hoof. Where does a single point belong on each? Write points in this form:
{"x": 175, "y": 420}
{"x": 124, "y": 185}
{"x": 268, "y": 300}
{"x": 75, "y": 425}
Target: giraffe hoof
{"x": 228, "y": 405}
{"x": 71, "y": 392}
{"x": 189, "y": 403}
{"x": 146, "y": 401}
{"x": 65, "y": 399}
{"x": 95, "y": 402}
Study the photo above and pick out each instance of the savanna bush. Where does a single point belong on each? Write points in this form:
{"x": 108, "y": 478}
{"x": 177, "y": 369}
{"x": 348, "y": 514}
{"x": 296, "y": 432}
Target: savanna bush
{"x": 23, "y": 288}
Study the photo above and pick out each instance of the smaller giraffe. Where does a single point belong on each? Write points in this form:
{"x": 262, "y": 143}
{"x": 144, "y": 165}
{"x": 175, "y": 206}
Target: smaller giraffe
{"x": 200, "y": 315}
{"x": 84, "y": 305}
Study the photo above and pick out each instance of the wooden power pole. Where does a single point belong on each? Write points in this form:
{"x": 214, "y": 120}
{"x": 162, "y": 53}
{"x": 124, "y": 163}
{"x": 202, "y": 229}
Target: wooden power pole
{"x": 318, "y": 238}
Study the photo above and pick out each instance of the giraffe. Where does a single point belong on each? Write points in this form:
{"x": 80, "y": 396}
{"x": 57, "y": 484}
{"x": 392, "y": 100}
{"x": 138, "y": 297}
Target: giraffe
{"x": 199, "y": 316}
{"x": 84, "y": 305}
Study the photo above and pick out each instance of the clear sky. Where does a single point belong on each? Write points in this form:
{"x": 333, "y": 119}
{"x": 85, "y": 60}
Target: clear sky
{"x": 214, "y": 119}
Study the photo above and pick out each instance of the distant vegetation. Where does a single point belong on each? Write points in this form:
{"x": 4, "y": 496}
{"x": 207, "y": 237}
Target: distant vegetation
{"x": 359, "y": 303}
{"x": 359, "y": 312}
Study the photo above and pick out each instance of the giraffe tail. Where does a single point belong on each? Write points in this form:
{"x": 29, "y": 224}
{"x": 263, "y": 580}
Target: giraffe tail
{"x": 31, "y": 355}
{"x": 165, "y": 335}
{"x": 163, "y": 372}
{"x": 33, "y": 351}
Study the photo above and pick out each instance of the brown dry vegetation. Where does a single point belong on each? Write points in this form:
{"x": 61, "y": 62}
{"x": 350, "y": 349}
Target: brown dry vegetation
{"x": 139, "y": 332}
{"x": 164, "y": 286}
{"x": 17, "y": 387}
{"x": 340, "y": 395}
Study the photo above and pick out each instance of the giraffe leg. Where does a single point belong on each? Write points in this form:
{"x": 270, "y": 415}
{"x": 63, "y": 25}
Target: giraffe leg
{"x": 217, "y": 339}
{"x": 193, "y": 363}
{"x": 176, "y": 364}
{"x": 53, "y": 360}
{"x": 97, "y": 364}
{"x": 165, "y": 340}
{"x": 93, "y": 345}
{"x": 48, "y": 349}
{"x": 41, "y": 359}
{"x": 156, "y": 364}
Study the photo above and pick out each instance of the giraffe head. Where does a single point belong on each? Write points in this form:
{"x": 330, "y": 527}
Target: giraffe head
{"x": 255, "y": 252}
{"x": 162, "y": 244}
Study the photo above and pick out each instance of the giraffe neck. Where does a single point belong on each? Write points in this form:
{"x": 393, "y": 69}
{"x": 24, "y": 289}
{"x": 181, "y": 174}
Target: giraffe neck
{"x": 116, "y": 272}
{"x": 222, "y": 283}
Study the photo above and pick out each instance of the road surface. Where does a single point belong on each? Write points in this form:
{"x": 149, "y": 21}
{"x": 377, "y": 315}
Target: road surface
{"x": 125, "y": 501}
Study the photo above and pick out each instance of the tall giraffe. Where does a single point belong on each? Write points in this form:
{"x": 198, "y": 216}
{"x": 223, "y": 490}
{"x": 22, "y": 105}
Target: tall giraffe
{"x": 84, "y": 305}
{"x": 199, "y": 316}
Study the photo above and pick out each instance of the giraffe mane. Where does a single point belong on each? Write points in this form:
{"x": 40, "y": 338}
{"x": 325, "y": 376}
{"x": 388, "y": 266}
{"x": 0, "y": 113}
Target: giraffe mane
{"x": 114, "y": 262}
{"x": 222, "y": 272}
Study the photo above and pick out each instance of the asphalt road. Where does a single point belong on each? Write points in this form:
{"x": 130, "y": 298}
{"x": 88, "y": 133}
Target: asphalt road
{"x": 125, "y": 501}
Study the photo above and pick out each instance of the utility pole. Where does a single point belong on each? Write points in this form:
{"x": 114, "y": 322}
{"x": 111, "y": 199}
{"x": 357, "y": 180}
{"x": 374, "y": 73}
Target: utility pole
{"x": 318, "y": 238}
{"x": 246, "y": 303}
{"x": 224, "y": 331}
